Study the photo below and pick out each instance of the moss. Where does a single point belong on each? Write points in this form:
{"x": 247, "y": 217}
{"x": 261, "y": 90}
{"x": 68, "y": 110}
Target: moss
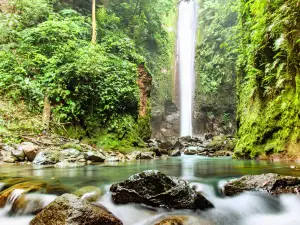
{"x": 266, "y": 127}
{"x": 71, "y": 145}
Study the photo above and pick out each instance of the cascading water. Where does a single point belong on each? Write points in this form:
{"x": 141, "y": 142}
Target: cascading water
{"x": 186, "y": 44}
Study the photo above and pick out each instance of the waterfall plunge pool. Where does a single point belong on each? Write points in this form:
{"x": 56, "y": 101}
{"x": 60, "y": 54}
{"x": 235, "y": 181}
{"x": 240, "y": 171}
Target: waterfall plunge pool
{"x": 206, "y": 174}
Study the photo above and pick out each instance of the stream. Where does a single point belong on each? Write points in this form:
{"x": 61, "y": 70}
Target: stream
{"x": 207, "y": 175}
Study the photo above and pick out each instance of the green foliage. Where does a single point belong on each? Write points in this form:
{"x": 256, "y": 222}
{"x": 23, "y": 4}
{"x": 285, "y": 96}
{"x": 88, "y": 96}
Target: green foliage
{"x": 215, "y": 64}
{"x": 268, "y": 70}
{"x": 50, "y": 54}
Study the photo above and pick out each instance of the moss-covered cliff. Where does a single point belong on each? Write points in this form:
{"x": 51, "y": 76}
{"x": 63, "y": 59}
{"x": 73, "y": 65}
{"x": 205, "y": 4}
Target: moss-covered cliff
{"x": 268, "y": 78}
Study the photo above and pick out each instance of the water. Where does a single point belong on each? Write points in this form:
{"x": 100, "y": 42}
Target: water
{"x": 186, "y": 47}
{"x": 207, "y": 175}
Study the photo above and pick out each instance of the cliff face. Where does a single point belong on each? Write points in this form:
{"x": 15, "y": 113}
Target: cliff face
{"x": 268, "y": 80}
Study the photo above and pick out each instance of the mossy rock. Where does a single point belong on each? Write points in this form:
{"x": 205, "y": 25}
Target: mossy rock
{"x": 89, "y": 193}
{"x": 8, "y": 182}
{"x": 29, "y": 186}
{"x": 71, "y": 145}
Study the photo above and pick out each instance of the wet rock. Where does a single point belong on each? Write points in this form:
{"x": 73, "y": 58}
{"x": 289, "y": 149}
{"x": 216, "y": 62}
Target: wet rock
{"x": 193, "y": 150}
{"x": 178, "y": 145}
{"x": 175, "y": 153}
{"x": 208, "y": 136}
{"x": 30, "y": 150}
{"x": 112, "y": 159}
{"x": 66, "y": 164}
{"x": 135, "y": 155}
{"x": 95, "y": 156}
{"x": 173, "y": 220}
{"x": 221, "y": 143}
{"x": 70, "y": 209}
{"x": 31, "y": 204}
{"x": 89, "y": 193}
{"x": 182, "y": 220}
{"x": 147, "y": 155}
{"x": 24, "y": 187}
{"x": 47, "y": 157}
{"x": 155, "y": 189}
{"x": 269, "y": 183}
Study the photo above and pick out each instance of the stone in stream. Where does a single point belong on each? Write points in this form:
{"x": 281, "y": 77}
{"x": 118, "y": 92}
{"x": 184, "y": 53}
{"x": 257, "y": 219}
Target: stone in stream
{"x": 25, "y": 187}
{"x": 89, "y": 193}
{"x": 147, "y": 155}
{"x": 182, "y": 220}
{"x": 175, "y": 153}
{"x": 95, "y": 156}
{"x": 269, "y": 183}
{"x": 70, "y": 209}
{"x": 155, "y": 189}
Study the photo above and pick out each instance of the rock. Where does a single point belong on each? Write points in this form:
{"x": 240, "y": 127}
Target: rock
{"x": 24, "y": 187}
{"x": 30, "y": 204}
{"x": 47, "y": 157}
{"x": 173, "y": 220}
{"x": 208, "y": 136}
{"x": 112, "y": 159}
{"x": 178, "y": 145}
{"x": 70, "y": 152}
{"x": 7, "y": 148}
{"x": 70, "y": 209}
{"x": 269, "y": 183}
{"x": 175, "y": 153}
{"x": 66, "y": 164}
{"x": 193, "y": 150}
{"x": 18, "y": 154}
{"x": 182, "y": 220}
{"x": 8, "y": 158}
{"x": 89, "y": 193}
{"x": 95, "y": 156}
{"x": 147, "y": 155}
{"x": 30, "y": 150}
{"x": 155, "y": 189}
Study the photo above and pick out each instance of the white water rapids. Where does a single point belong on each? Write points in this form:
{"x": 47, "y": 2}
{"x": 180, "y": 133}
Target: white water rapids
{"x": 186, "y": 48}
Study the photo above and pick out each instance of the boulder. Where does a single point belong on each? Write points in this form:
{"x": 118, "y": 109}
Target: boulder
{"x": 95, "y": 156}
{"x": 70, "y": 209}
{"x": 147, "y": 155}
{"x": 112, "y": 159}
{"x": 70, "y": 152}
{"x": 47, "y": 157}
{"x": 155, "y": 189}
{"x": 19, "y": 154}
{"x": 7, "y": 157}
{"x": 23, "y": 187}
{"x": 89, "y": 193}
{"x": 269, "y": 183}
{"x": 175, "y": 153}
{"x": 135, "y": 155}
{"x": 30, "y": 150}
{"x": 193, "y": 150}
{"x": 30, "y": 204}
{"x": 66, "y": 164}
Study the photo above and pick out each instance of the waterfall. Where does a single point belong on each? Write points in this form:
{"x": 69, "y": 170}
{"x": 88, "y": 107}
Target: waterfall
{"x": 186, "y": 48}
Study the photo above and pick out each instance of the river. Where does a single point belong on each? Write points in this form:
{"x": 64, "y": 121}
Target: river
{"x": 208, "y": 175}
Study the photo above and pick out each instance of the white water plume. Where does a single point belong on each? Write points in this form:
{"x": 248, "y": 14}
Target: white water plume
{"x": 186, "y": 48}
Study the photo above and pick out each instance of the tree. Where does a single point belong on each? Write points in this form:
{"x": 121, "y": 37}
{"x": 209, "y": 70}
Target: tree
{"x": 94, "y": 24}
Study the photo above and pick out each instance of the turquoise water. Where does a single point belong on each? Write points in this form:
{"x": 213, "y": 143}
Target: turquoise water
{"x": 191, "y": 168}
{"x": 207, "y": 175}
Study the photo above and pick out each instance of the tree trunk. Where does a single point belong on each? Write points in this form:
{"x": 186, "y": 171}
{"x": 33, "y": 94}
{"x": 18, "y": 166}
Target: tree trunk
{"x": 94, "y": 34}
{"x": 46, "y": 113}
